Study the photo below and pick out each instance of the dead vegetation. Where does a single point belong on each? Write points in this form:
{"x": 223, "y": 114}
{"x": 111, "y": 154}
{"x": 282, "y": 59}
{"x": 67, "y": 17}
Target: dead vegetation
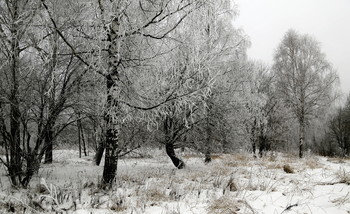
{"x": 224, "y": 205}
{"x": 224, "y": 186}
{"x": 288, "y": 169}
{"x": 343, "y": 176}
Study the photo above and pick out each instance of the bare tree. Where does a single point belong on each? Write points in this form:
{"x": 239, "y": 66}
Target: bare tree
{"x": 305, "y": 78}
{"x": 15, "y": 18}
{"x": 129, "y": 44}
{"x": 266, "y": 115}
{"x": 132, "y": 45}
{"x": 39, "y": 82}
{"x": 339, "y": 128}
{"x": 339, "y": 131}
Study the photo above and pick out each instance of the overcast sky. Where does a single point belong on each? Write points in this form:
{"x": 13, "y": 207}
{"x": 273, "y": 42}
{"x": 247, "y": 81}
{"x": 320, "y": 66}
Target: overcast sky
{"x": 328, "y": 21}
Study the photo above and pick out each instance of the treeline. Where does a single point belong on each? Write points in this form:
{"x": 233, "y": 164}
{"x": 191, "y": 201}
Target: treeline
{"x": 118, "y": 75}
{"x": 336, "y": 141}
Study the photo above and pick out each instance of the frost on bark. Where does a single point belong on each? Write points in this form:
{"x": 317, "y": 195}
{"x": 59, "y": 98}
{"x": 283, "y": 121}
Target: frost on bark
{"x": 112, "y": 112}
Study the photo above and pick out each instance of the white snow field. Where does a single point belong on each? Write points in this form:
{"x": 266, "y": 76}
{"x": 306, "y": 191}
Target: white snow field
{"x": 236, "y": 183}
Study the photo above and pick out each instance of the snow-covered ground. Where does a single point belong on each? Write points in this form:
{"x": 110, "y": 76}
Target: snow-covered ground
{"x": 235, "y": 183}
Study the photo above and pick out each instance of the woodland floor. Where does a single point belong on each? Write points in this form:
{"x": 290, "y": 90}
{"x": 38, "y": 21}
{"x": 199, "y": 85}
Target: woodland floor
{"x": 236, "y": 183}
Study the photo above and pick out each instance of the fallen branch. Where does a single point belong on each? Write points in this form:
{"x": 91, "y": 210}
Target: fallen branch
{"x": 289, "y": 207}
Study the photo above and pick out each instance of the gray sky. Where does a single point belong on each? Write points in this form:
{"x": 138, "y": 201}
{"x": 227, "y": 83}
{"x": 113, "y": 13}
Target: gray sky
{"x": 266, "y": 21}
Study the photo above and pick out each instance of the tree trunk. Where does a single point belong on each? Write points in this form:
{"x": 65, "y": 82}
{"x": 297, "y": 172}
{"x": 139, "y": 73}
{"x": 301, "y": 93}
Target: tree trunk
{"x": 94, "y": 135}
{"x": 207, "y": 156}
{"x": 178, "y": 163}
{"x": 209, "y": 133}
{"x": 262, "y": 145}
{"x": 49, "y": 146}
{"x": 79, "y": 135}
{"x": 49, "y": 137}
{"x": 112, "y": 136}
{"x": 99, "y": 152}
{"x": 99, "y": 142}
{"x": 169, "y": 142}
{"x": 111, "y": 156}
{"x": 225, "y": 146}
{"x": 33, "y": 165}
{"x": 15, "y": 166}
{"x": 301, "y": 136}
{"x": 83, "y": 139}
{"x": 4, "y": 133}
{"x": 253, "y": 138}
{"x": 112, "y": 111}
{"x": 254, "y": 148}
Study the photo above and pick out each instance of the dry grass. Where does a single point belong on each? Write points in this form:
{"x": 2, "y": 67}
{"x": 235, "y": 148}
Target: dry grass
{"x": 216, "y": 157}
{"x": 259, "y": 179}
{"x": 223, "y": 205}
{"x": 222, "y": 186}
{"x": 288, "y": 169}
{"x": 156, "y": 194}
{"x": 188, "y": 156}
{"x": 272, "y": 157}
{"x": 242, "y": 157}
{"x": 343, "y": 176}
{"x": 274, "y": 166}
{"x": 237, "y": 160}
{"x": 117, "y": 204}
{"x": 213, "y": 156}
{"x": 339, "y": 160}
{"x": 233, "y": 163}
{"x": 231, "y": 185}
{"x": 313, "y": 163}
{"x": 342, "y": 200}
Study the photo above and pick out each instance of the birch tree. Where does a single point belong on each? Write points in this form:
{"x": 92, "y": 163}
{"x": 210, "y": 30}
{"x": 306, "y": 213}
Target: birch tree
{"x": 130, "y": 43}
{"x": 134, "y": 45}
{"x": 305, "y": 78}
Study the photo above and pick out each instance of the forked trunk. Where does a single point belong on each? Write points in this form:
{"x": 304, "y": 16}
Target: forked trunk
{"x": 33, "y": 166}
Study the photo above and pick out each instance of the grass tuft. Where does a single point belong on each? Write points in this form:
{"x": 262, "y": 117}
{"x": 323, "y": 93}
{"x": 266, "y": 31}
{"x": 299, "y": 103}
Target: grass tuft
{"x": 344, "y": 176}
{"x": 223, "y": 205}
{"x": 313, "y": 163}
{"x": 288, "y": 169}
